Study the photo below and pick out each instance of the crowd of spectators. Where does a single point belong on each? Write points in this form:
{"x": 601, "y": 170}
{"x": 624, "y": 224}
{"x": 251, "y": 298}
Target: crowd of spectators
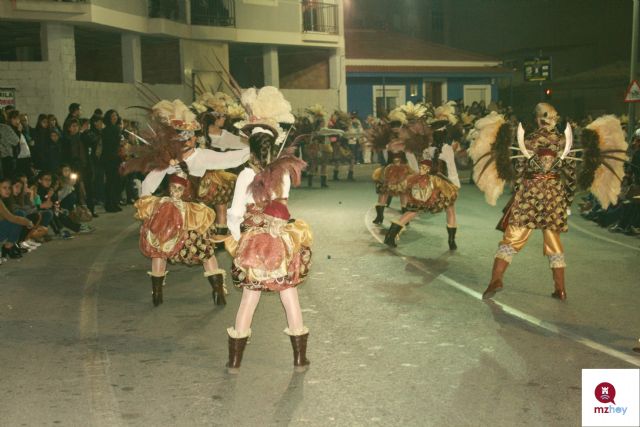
{"x": 52, "y": 178}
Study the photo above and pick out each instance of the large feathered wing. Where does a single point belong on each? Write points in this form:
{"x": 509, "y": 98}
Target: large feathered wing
{"x": 604, "y": 154}
{"x": 491, "y": 156}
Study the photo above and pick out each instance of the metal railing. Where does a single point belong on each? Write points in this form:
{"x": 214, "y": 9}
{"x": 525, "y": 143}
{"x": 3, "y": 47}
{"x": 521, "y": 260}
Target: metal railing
{"x": 216, "y": 13}
{"x": 318, "y": 17}
{"x": 174, "y": 10}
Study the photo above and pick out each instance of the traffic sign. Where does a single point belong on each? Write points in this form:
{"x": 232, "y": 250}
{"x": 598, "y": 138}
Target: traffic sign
{"x": 537, "y": 69}
{"x": 633, "y": 92}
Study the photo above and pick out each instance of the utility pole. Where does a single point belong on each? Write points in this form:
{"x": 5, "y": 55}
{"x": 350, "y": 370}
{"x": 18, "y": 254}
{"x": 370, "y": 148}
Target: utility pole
{"x": 633, "y": 68}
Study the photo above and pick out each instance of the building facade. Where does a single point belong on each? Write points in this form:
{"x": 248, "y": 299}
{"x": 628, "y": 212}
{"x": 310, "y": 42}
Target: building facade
{"x": 116, "y": 54}
{"x": 386, "y": 69}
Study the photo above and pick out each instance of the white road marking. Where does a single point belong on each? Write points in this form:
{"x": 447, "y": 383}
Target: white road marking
{"x": 548, "y": 326}
{"x": 104, "y": 407}
{"x": 572, "y": 224}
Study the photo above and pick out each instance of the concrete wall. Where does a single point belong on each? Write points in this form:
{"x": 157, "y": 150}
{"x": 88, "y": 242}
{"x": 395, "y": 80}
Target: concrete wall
{"x": 285, "y": 16}
{"x": 303, "y": 98}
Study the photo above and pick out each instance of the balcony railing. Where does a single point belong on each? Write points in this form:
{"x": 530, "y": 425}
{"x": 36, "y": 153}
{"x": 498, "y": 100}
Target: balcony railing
{"x": 174, "y": 10}
{"x": 217, "y": 13}
{"x": 318, "y": 17}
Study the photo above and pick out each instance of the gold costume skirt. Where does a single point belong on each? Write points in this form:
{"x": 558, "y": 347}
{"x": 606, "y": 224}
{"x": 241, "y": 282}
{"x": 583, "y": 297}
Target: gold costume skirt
{"x": 175, "y": 230}
{"x": 431, "y": 193}
{"x": 272, "y": 254}
{"x": 216, "y": 187}
{"x": 392, "y": 179}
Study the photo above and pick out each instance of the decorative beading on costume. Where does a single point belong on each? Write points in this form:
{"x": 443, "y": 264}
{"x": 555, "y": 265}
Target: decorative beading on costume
{"x": 506, "y": 252}
{"x": 557, "y": 261}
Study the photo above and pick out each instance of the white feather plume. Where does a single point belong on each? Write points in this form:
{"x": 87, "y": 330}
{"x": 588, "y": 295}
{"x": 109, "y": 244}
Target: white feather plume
{"x": 606, "y": 186}
{"x": 486, "y": 132}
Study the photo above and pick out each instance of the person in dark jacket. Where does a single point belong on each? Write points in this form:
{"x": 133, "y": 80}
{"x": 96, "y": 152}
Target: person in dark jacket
{"x": 40, "y": 140}
{"x": 111, "y": 136}
{"x": 92, "y": 143}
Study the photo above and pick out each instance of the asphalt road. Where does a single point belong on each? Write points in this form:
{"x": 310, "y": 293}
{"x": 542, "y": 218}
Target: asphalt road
{"x": 398, "y": 337}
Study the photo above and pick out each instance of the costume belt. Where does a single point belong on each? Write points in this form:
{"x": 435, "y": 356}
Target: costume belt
{"x": 543, "y": 176}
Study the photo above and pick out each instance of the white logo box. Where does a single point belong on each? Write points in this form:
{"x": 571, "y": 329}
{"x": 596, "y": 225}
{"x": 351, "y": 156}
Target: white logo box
{"x": 625, "y": 408}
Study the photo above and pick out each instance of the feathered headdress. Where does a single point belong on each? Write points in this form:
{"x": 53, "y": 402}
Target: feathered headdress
{"x": 175, "y": 114}
{"x": 316, "y": 111}
{"x": 379, "y": 134}
{"x": 268, "y": 109}
{"x": 235, "y": 111}
{"x": 340, "y": 120}
{"x": 416, "y": 136}
{"x": 446, "y": 112}
{"x": 397, "y": 115}
{"x": 162, "y": 147}
{"x": 413, "y": 111}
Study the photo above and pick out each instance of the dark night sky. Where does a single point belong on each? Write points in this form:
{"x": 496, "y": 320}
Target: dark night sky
{"x": 579, "y": 34}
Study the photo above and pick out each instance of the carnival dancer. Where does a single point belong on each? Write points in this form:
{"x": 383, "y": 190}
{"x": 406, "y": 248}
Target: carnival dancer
{"x": 442, "y": 149}
{"x": 545, "y": 177}
{"x": 271, "y": 250}
{"x": 174, "y": 227}
{"x": 391, "y": 180}
{"x": 317, "y": 150}
{"x": 340, "y": 123}
{"x": 430, "y": 190}
{"x": 216, "y": 186}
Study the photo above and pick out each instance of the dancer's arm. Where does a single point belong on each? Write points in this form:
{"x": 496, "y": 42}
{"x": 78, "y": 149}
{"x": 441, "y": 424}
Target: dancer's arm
{"x": 235, "y": 214}
{"x": 213, "y": 160}
{"x": 452, "y": 172}
{"x": 152, "y": 181}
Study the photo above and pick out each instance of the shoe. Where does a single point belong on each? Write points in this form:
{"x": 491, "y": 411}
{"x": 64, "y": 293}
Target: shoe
{"x": 389, "y": 201}
{"x": 323, "y": 181}
{"x": 65, "y": 235}
{"x": 85, "y": 229}
{"x": 157, "y": 282}
{"x": 452, "y": 238}
{"x": 392, "y": 235}
{"x": 21, "y": 248}
{"x": 216, "y": 280}
{"x": 379, "y": 215}
{"x": 11, "y": 253}
{"x": 94, "y": 215}
{"x": 558, "y": 283}
{"x": 24, "y": 246}
{"x": 33, "y": 243}
{"x": 495, "y": 285}
{"x": 236, "y": 349}
{"x": 299, "y": 346}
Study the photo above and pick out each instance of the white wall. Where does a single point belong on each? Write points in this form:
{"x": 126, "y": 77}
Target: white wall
{"x": 303, "y": 98}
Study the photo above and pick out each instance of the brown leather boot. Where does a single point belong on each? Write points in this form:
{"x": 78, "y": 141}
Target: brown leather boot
{"x": 558, "y": 283}
{"x": 499, "y": 267}
{"x": 299, "y": 345}
{"x": 216, "y": 280}
{"x": 236, "y": 350}
{"x": 157, "y": 282}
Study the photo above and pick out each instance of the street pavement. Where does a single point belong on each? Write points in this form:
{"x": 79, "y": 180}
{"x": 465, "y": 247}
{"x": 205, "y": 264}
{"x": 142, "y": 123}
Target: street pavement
{"x": 397, "y": 337}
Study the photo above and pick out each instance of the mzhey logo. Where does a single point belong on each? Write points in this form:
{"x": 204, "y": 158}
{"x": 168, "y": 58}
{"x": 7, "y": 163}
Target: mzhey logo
{"x": 605, "y": 393}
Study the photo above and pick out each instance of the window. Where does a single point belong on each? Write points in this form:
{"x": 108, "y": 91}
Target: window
{"x": 160, "y": 59}
{"x": 20, "y": 41}
{"x": 386, "y": 98}
{"x": 98, "y": 55}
